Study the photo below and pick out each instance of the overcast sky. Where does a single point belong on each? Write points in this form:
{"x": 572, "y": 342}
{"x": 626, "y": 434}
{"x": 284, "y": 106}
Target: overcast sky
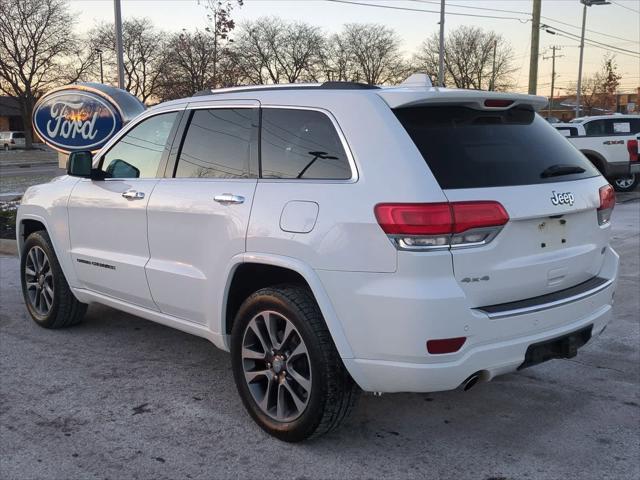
{"x": 617, "y": 25}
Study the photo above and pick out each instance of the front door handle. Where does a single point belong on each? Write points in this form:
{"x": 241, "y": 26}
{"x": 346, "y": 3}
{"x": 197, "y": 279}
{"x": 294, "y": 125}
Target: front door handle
{"x": 133, "y": 195}
{"x": 229, "y": 199}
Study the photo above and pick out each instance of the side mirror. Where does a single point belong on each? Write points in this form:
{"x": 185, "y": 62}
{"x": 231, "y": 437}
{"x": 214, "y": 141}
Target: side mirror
{"x": 79, "y": 164}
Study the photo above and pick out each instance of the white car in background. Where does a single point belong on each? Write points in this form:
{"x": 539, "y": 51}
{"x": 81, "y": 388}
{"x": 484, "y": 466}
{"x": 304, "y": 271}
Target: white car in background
{"x": 610, "y": 142}
{"x": 334, "y": 237}
{"x": 11, "y": 140}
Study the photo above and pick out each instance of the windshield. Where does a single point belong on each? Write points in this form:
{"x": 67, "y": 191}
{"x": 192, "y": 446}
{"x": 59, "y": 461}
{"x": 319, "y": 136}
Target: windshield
{"x": 467, "y": 148}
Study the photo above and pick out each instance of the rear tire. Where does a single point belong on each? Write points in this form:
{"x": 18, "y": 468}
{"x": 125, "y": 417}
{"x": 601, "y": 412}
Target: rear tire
{"x": 295, "y": 355}
{"x": 46, "y": 292}
{"x": 626, "y": 184}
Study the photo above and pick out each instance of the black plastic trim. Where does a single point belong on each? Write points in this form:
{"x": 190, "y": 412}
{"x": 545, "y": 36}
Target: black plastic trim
{"x": 549, "y": 298}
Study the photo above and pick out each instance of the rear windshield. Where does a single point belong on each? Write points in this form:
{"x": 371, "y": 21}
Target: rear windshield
{"x": 467, "y": 148}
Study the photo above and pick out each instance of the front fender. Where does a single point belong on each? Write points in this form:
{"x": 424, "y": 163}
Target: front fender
{"x": 312, "y": 279}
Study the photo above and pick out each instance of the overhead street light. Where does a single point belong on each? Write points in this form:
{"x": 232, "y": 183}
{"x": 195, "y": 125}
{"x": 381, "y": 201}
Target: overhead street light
{"x": 586, "y": 3}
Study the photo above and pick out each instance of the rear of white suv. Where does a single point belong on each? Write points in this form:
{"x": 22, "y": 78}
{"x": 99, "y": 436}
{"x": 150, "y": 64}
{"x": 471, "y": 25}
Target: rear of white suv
{"x": 512, "y": 268}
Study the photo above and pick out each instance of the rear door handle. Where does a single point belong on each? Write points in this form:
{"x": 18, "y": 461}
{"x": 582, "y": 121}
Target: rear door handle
{"x": 229, "y": 199}
{"x": 133, "y": 195}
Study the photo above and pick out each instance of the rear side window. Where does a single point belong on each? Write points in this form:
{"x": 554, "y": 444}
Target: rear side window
{"x": 301, "y": 144}
{"x": 468, "y": 148}
{"x": 218, "y": 144}
{"x": 568, "y": 131}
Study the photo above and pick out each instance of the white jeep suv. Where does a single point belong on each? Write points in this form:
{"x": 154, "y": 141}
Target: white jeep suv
{"x": 335, "y": 238}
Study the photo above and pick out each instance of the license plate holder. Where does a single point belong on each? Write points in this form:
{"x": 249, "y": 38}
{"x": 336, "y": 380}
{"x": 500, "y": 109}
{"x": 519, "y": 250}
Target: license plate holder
{"x": 565, "y": 346}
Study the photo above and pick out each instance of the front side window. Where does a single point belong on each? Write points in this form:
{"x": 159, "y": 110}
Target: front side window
{"x": 139, "y": 152}
{"x": 218, "y": 144}
{"x": 301, "y": 144}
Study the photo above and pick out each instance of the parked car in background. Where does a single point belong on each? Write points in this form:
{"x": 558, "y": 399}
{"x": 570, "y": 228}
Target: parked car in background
{"x": 610, "y": 142}
{"x": 11, "y": 140}
{"x": 334, "y": 237}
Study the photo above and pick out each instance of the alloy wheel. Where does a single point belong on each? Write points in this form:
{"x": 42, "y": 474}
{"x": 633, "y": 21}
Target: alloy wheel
{"x": 39, "y": 281}
{"x": 276, "y": 366}
{"x": 625, "y": 182}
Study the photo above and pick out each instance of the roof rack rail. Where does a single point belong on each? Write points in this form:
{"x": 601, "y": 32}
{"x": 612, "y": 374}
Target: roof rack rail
{"x": 348, "y": 86}
{"x": 289, "y": 86}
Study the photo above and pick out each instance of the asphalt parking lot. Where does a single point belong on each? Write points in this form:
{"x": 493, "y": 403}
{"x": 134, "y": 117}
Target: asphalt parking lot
{"x": 119, "y": 397}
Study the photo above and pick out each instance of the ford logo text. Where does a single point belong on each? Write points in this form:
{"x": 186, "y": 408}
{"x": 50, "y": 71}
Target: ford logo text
{"x": 76, "y": 120}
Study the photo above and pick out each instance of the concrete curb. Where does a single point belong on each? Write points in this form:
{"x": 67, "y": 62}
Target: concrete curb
{"x": 28, "y": 165}
{"x": 8, "y": 247}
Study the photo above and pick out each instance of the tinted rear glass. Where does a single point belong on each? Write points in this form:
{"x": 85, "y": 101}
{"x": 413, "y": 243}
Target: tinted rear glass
{"x": 468, "y": 148}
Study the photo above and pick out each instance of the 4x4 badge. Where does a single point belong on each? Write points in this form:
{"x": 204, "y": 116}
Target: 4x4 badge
{"x": 565, "y": 198}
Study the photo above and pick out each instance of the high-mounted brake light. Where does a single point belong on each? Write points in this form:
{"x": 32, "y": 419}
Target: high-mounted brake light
{"x": 632, "y": 148}
{"x": 497, "y": 103}
{"x": 607, "y": 202}
{"x": 419, "y": 226}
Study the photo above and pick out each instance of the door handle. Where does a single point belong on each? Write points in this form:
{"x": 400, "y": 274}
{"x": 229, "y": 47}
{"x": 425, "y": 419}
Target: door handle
{"x": 133, "y": 195}
{"x": 229, "y": 199}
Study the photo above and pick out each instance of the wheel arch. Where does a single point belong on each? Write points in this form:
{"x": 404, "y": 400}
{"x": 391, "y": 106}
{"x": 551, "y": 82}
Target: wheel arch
{"x": 597, "y": 160}
{"x": 250, "y": 272}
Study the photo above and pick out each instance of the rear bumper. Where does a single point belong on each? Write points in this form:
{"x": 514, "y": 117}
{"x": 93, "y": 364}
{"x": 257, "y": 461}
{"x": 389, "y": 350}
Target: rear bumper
{"x": 388, "y": 332}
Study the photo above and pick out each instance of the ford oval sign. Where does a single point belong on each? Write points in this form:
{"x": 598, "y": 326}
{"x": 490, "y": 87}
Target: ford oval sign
{"x": 83, "y": 116}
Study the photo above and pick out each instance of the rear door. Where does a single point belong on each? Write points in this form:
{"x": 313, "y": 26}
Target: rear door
{"x": 198, "y": 217}
{"x": 550, "y": 191}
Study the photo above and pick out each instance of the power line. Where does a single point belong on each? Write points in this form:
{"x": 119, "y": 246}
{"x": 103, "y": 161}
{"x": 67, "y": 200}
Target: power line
{"x": 409, "y": 9}
{"x": 624, "y": 6}
{"x": 593, "y": 42}
{"x": 590, "y": 31}
{"x": 475, "y": 8}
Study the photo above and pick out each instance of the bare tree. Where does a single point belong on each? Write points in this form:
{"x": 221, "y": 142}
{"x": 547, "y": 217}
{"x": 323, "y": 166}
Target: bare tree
{"x": 469, "y": 59}
{"x": 35, "y": 37}
{"x": 598, "y": 92}
{"x": 373, "y": 54}
{"x": 274, "y": 51}
{"x": 336, "y": 62}
{"x": 189, "y": 64}
{"x": 144, "y": 55}
{"x": 220, "y": 27}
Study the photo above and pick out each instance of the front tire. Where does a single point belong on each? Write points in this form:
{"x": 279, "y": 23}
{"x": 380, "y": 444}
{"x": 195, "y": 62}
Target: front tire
{"x": 286, "y": 367}
{"x": 46, "y": 292}
{"x": 626, "y": 184}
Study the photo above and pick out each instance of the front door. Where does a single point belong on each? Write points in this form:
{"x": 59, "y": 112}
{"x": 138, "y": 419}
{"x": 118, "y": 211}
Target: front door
{"x": 198, "y": 218}
{"x": 108, "y": 218}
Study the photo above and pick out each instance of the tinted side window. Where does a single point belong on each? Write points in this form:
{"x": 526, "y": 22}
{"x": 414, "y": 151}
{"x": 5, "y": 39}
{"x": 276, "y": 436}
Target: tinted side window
{"x": 139, "y": 152}
{"x": 596, "y": 127}
{"x": 18, "y": 135}
{"x": 568, "y": 131}
{"x": 635, "y": 125}
{"x": 301, "y": 144}
{"x": 218, "y": 144}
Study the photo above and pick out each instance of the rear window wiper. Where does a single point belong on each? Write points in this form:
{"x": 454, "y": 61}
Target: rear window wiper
{"x": 559, "y": 170}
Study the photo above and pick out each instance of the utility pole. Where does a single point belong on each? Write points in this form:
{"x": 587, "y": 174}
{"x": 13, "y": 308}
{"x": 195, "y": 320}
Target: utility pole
{"x": 119, "y": 49}
{"x": 441, "y": 52}
{"x": 493, "y": 69}
{"x": 586, "y": 3}
{"x": 553, "y": 73}
{"x": 535, "y": 44}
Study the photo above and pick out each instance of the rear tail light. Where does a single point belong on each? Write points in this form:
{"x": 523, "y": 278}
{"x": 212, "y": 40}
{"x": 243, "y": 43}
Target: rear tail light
{"x": 13, "y": 142}
{"x": 425, "y": 226}
{"x": 632, "y": 148}
{"x": 607, "y": 202}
